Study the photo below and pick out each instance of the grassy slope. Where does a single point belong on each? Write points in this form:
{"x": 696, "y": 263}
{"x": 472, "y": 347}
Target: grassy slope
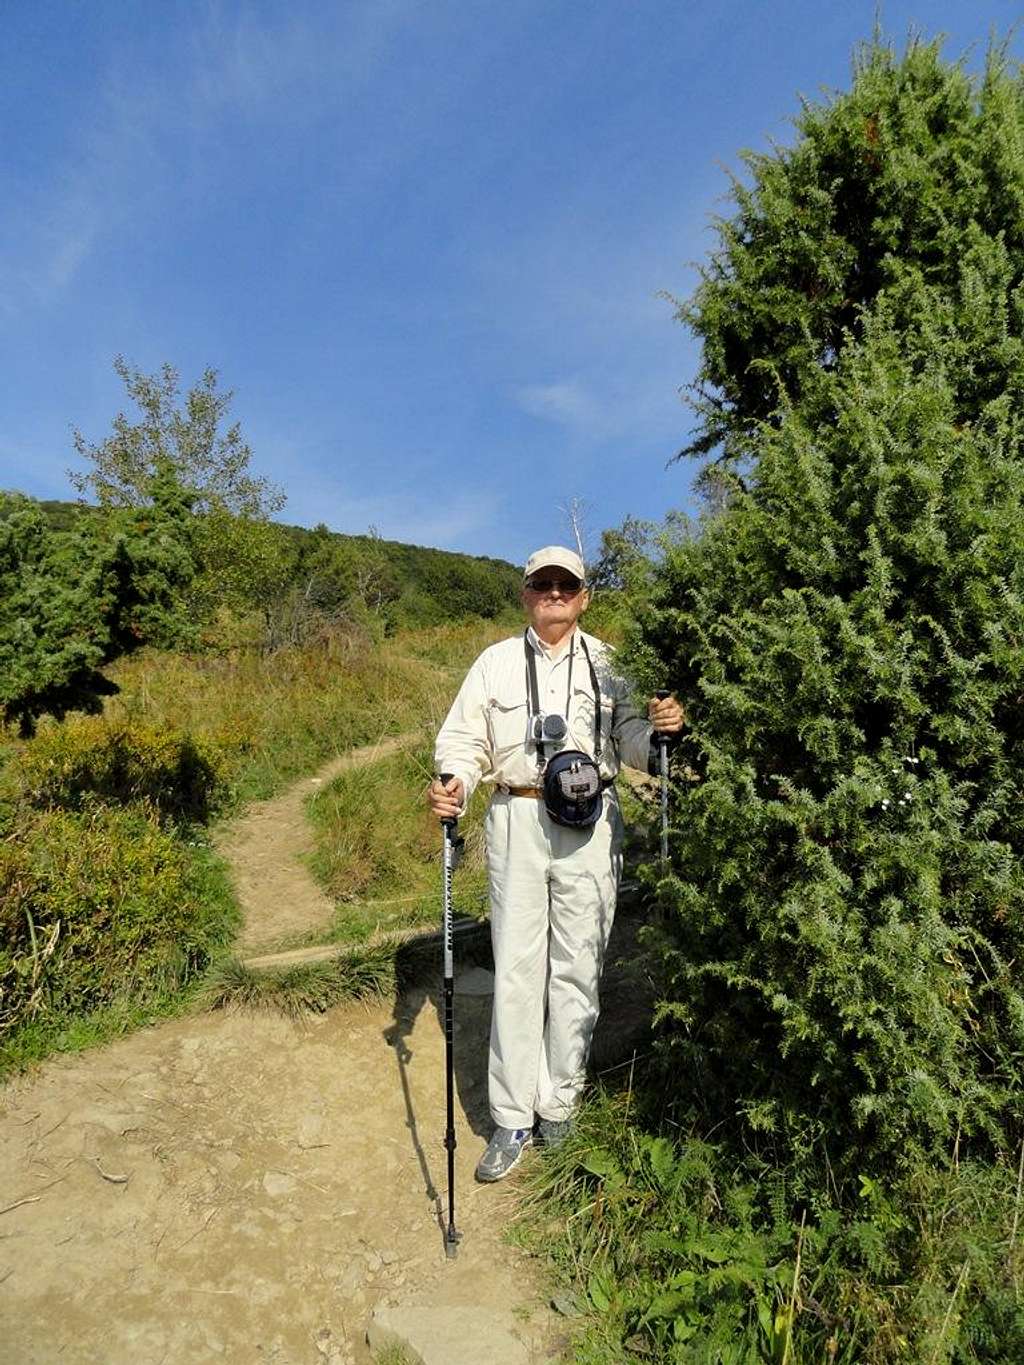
{"x": 277, "y": 717}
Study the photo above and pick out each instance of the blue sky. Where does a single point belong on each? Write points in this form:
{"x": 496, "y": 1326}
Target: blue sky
{"x": 424, "y": 243}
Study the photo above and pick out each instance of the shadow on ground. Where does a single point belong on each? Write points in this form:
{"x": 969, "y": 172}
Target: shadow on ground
{"x": 622, "y": 1032}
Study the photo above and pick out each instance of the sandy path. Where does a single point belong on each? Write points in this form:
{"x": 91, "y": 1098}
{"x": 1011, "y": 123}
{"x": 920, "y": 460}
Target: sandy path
{"x": 246, "y": 1188}
{"x": 279, "y": 897}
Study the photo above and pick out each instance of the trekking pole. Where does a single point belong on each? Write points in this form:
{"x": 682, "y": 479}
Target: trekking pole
{"x": 449, "y": 825}
{"x": 662, "y": 739}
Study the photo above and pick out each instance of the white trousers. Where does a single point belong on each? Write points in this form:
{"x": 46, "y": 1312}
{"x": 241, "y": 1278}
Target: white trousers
{"x": 553, "y": 893}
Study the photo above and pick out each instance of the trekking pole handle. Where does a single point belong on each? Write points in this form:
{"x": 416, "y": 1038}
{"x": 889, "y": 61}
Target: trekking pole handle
{"x": 661, "y": 694}
{"x": 449, "y": 821}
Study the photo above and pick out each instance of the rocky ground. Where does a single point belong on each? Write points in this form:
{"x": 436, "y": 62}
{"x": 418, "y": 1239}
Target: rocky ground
{"x": 247, "y": 1188}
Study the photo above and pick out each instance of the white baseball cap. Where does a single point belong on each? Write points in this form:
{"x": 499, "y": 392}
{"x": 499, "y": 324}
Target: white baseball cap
{"x": 555, "y": 556}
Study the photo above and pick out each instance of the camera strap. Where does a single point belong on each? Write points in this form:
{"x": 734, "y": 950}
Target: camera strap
{"x": 533, "y": 692}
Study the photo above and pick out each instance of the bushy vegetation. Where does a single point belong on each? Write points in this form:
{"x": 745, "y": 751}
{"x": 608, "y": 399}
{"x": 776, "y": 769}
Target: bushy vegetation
{"x": 848, "y": 899}
{"x": 673, "y": 1248}
{"x": 104, "y": 824}
{"x": 98, "y": 906}
{"x": 179, "y": 552}
{"x": 401, "y": 587}
{"x": 842, "y": 1022}
{"x": 73, "y": 601}
{"x": 181, "y": 776}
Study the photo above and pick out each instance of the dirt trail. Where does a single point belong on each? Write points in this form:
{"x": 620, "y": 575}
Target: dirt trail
{"x": 279, "y": 897}
{"x": 246, "y": 1188}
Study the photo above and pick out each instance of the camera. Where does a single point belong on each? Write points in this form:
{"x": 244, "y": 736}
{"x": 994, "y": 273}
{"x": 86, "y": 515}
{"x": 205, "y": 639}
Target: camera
{"x": 548, "y": 730}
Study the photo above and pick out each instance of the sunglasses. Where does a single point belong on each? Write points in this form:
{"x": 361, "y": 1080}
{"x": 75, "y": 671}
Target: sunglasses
{"x": 568, "y": 587}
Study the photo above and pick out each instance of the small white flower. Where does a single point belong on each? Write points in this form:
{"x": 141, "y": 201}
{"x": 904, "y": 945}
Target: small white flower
{"x": 885, "y": 805}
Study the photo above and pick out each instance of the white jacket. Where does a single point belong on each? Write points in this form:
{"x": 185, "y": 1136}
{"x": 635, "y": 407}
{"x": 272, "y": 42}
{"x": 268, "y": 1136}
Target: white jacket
{"x": 485, "y": 736}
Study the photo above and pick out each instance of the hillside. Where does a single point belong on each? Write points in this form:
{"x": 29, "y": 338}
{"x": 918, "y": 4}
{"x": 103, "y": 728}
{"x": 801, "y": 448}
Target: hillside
{"x": 415, "y": 585}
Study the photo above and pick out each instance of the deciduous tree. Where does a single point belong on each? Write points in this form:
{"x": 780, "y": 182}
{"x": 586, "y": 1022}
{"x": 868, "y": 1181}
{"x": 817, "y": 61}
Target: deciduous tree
{"x": 242, "y": 559}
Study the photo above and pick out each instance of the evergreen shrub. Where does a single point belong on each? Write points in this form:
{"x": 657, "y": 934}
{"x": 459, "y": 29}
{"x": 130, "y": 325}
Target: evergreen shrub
{"x": 842, "y": 958}
{"x": 73, "y": 601}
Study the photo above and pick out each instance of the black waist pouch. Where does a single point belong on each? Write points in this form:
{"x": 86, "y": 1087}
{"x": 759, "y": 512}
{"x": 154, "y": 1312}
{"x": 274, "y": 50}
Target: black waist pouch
{"x": 573, "y": 789}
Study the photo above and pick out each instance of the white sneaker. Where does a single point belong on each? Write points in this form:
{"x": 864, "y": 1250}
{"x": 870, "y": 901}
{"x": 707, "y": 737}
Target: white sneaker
{"x": 503, "y": 1152}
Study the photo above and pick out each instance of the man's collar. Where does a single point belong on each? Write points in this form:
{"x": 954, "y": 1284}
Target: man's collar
{"x": 544, "y": 649}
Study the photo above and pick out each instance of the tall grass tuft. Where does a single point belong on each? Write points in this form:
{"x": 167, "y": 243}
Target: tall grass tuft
{"x": 668, "y": 1248}
{"x": 106, "y": 915}
{"x": 378, "y": 850}
{"x": 366, "y": 971}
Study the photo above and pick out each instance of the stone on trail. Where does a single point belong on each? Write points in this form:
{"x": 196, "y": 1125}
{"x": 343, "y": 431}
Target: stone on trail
{"x": 278, "y": 1183}
{"x": 446, "y": 1336}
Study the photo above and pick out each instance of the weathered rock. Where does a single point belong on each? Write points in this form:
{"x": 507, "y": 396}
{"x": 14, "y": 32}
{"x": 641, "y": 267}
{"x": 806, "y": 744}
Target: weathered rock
{"x": 446, "y": 1336}
{"x": 278, "y": 1183}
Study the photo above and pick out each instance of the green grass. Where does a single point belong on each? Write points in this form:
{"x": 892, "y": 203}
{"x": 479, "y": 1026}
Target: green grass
{"x": 364, "y": 971}
{"x": 392, "y": 1355}
{"x": 305, "y": 987}
{"x": 283, "y": 714}
{"x": 378, "y": 848}
{"x": 668, "y": 1247}
{"x": 135, "y": 1003}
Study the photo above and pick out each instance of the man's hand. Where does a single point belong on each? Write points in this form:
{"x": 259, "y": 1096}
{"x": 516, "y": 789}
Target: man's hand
{"x": 446, "y": 802}
{"x": 666, "y": 715}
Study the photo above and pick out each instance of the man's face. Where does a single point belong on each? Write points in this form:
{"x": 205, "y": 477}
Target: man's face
{"x": 553, "y": 599}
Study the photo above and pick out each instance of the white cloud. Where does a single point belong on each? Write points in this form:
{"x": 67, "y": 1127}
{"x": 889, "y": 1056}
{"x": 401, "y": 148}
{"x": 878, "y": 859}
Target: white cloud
{"x": 566, "y": 402}
{"x": 239, "y": 61}
{"x": 600, "y": 410}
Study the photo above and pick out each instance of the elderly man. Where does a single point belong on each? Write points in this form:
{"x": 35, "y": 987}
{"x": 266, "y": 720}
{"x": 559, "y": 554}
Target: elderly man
{"x": 545, "y": 719}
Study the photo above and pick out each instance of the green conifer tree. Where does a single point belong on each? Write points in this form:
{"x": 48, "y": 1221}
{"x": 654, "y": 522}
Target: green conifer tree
{"x": 73, "y": 601}
{"x": 845, "y": 949}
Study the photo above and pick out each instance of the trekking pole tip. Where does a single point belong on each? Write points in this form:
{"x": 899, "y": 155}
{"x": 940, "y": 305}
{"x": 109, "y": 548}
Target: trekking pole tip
{"x": 451, "y": 1243}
